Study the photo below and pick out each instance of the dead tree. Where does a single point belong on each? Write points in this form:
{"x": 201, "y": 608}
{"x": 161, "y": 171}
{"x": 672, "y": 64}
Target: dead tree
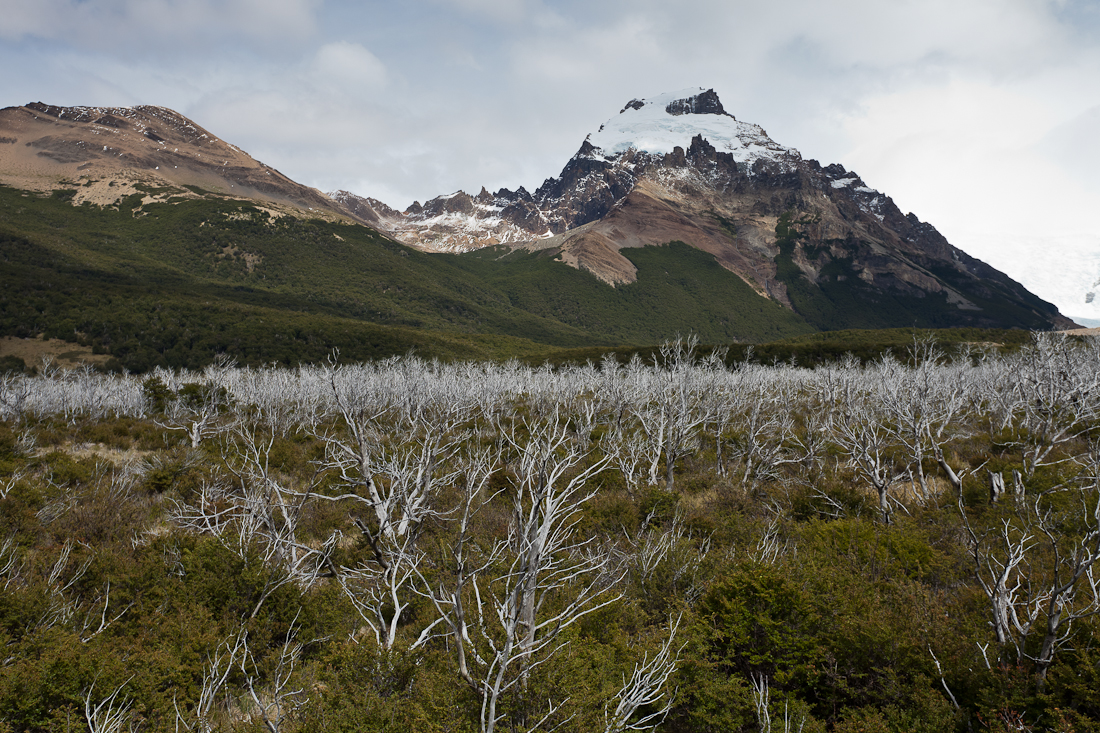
{"x": 1038, "y": 573}
{"x": 505, "y": 611}
{"x": 861, "y": 432}
{"x": 201, "y": 717}
{"x": 196, "y": 411}
{"x": 110, "y": 714}
{"x": 762, "y": 424}
{"x": 627, "y": 451}
{"x": 1001, "y": 561}
{"x": 761, "y": 697}
{"x": 1073, "y": 544}
{"x": 923, "y": 405}
{"x": 1057, "y": 392}
{"x": 646, "y": 689}
{"x": 400, "y": 495}
{"x": 393, "y": 480}
{"x": 669, "y": 409}
{"x": 466, "y": 560}
{"x": 279, "y": 701}
{"x": 258, "y": 516}
{"x": 672, "y": 549}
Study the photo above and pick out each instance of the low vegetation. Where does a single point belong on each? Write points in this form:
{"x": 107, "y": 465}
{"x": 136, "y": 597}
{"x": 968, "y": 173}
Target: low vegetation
{"x": 906, "y": 544}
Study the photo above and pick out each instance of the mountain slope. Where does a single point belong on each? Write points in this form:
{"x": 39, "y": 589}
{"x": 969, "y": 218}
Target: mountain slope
{"x": 111, "y": 151}
{"x": 173, "y": 283}
{"x": 739, "y": 240}
{"x": 678, "y": 167}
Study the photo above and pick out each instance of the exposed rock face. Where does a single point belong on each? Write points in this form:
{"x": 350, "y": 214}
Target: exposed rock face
{"x": 107, "y": 151}
{"x": 679, "y": 167}
{"x": 705, "y": 103}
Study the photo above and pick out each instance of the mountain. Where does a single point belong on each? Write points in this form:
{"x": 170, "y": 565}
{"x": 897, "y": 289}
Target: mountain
{"x": 678, "y": 167}
{"x": 111, "y": 152}
{"x": 145, "y": 239}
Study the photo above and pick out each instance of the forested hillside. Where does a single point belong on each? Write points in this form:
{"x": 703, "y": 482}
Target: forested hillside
{"x": 908, "y": 544}
{"x": 170, "y": 277}
{"x": 167, "y": 279}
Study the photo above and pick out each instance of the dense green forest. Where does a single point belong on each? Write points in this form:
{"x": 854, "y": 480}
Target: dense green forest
{"x": 906, "y": 544}
{"x": 171, "y": 282}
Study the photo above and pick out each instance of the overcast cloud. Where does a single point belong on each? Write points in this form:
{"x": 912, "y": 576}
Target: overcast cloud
{"x": 981, "y": 117}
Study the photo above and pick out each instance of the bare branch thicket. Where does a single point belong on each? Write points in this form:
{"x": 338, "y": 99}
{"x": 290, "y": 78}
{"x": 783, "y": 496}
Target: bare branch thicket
{"x": 215, "y": 512}
{"x": 15, "y": 390}
{"x": 646, "y": 688}
{"x": 61, "y": 607}
{"x": 612, "y": 386}
{"x": 265, "y": 514}
{"x": 761, "y": 697}
{"x": 199, "y": 413}
{"x": 993, "y": 394}
{"x": 668, "y": 407}
{"x": 396, "y": 484}
{"x": 576, "y": 391}
{"x": 65, "y": 606}
{"x": 9, "y": 483}
{"x": 719, "y": 405}
{"x": 1057, "y": 389}
{"x": 255, "y": 515}
{"x": 627, "y": 444}
{"x": 201, "y": 717}
{"x": 465, "y": 559}
{"x": 1073, "y": 544}
{"x": 91, "y": 628}
{"x": 925, "y": 405}
{"x": 108, "y": 715}
{"x": 768, "y": 549}
{"x": 1003, "y": 570}
{"x": 75, "y": 393}
{"x": 764, "y": 426}
{"x": 508, "y": 604}
{"x": 670, "y": 546}
{"x": 11, "y": 567}
{"x": 401, "y": 496}
{"x": 861, "y": 432}
{"x": 1038, "y": 573}
{"x": 627, "y": 451}
{"x": 278, "y": 702}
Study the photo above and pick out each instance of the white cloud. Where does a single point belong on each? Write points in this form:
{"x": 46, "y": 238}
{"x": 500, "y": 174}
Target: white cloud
{"x": 1075, "y": 146}
{"x": 493, "y": 11}
{"x": 134, "y": 27}
{"x": 348, "y": 67}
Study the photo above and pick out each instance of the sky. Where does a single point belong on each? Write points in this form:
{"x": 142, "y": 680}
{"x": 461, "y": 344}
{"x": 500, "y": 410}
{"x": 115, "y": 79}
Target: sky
{"x": 980, "y": 117}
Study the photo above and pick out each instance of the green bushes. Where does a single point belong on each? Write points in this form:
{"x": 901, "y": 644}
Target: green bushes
{"x": 258, "y": 560}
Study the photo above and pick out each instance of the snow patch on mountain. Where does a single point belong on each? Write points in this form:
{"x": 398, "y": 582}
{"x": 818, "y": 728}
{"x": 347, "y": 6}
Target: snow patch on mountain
{"x": 663, "y": 123}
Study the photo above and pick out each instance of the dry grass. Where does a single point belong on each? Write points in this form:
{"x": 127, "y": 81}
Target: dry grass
{"x": 115, "y": 456}
{"x": 61, "y": 353}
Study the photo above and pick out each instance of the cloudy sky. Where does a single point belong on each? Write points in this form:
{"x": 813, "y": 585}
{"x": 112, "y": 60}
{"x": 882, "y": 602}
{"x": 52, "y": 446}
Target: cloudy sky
{"x": 981, "y": 117}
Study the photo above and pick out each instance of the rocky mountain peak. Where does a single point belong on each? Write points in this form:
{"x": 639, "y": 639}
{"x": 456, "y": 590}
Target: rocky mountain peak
{"x": 684, "y": 133}
{"x": 659, "y": 125}
{"x": 678, "y": 167}
{"x": 706, "y": 103}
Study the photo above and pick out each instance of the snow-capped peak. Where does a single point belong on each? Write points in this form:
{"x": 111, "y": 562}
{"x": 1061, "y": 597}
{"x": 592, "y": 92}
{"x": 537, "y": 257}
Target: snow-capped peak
{"x": 660, "y": 124}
